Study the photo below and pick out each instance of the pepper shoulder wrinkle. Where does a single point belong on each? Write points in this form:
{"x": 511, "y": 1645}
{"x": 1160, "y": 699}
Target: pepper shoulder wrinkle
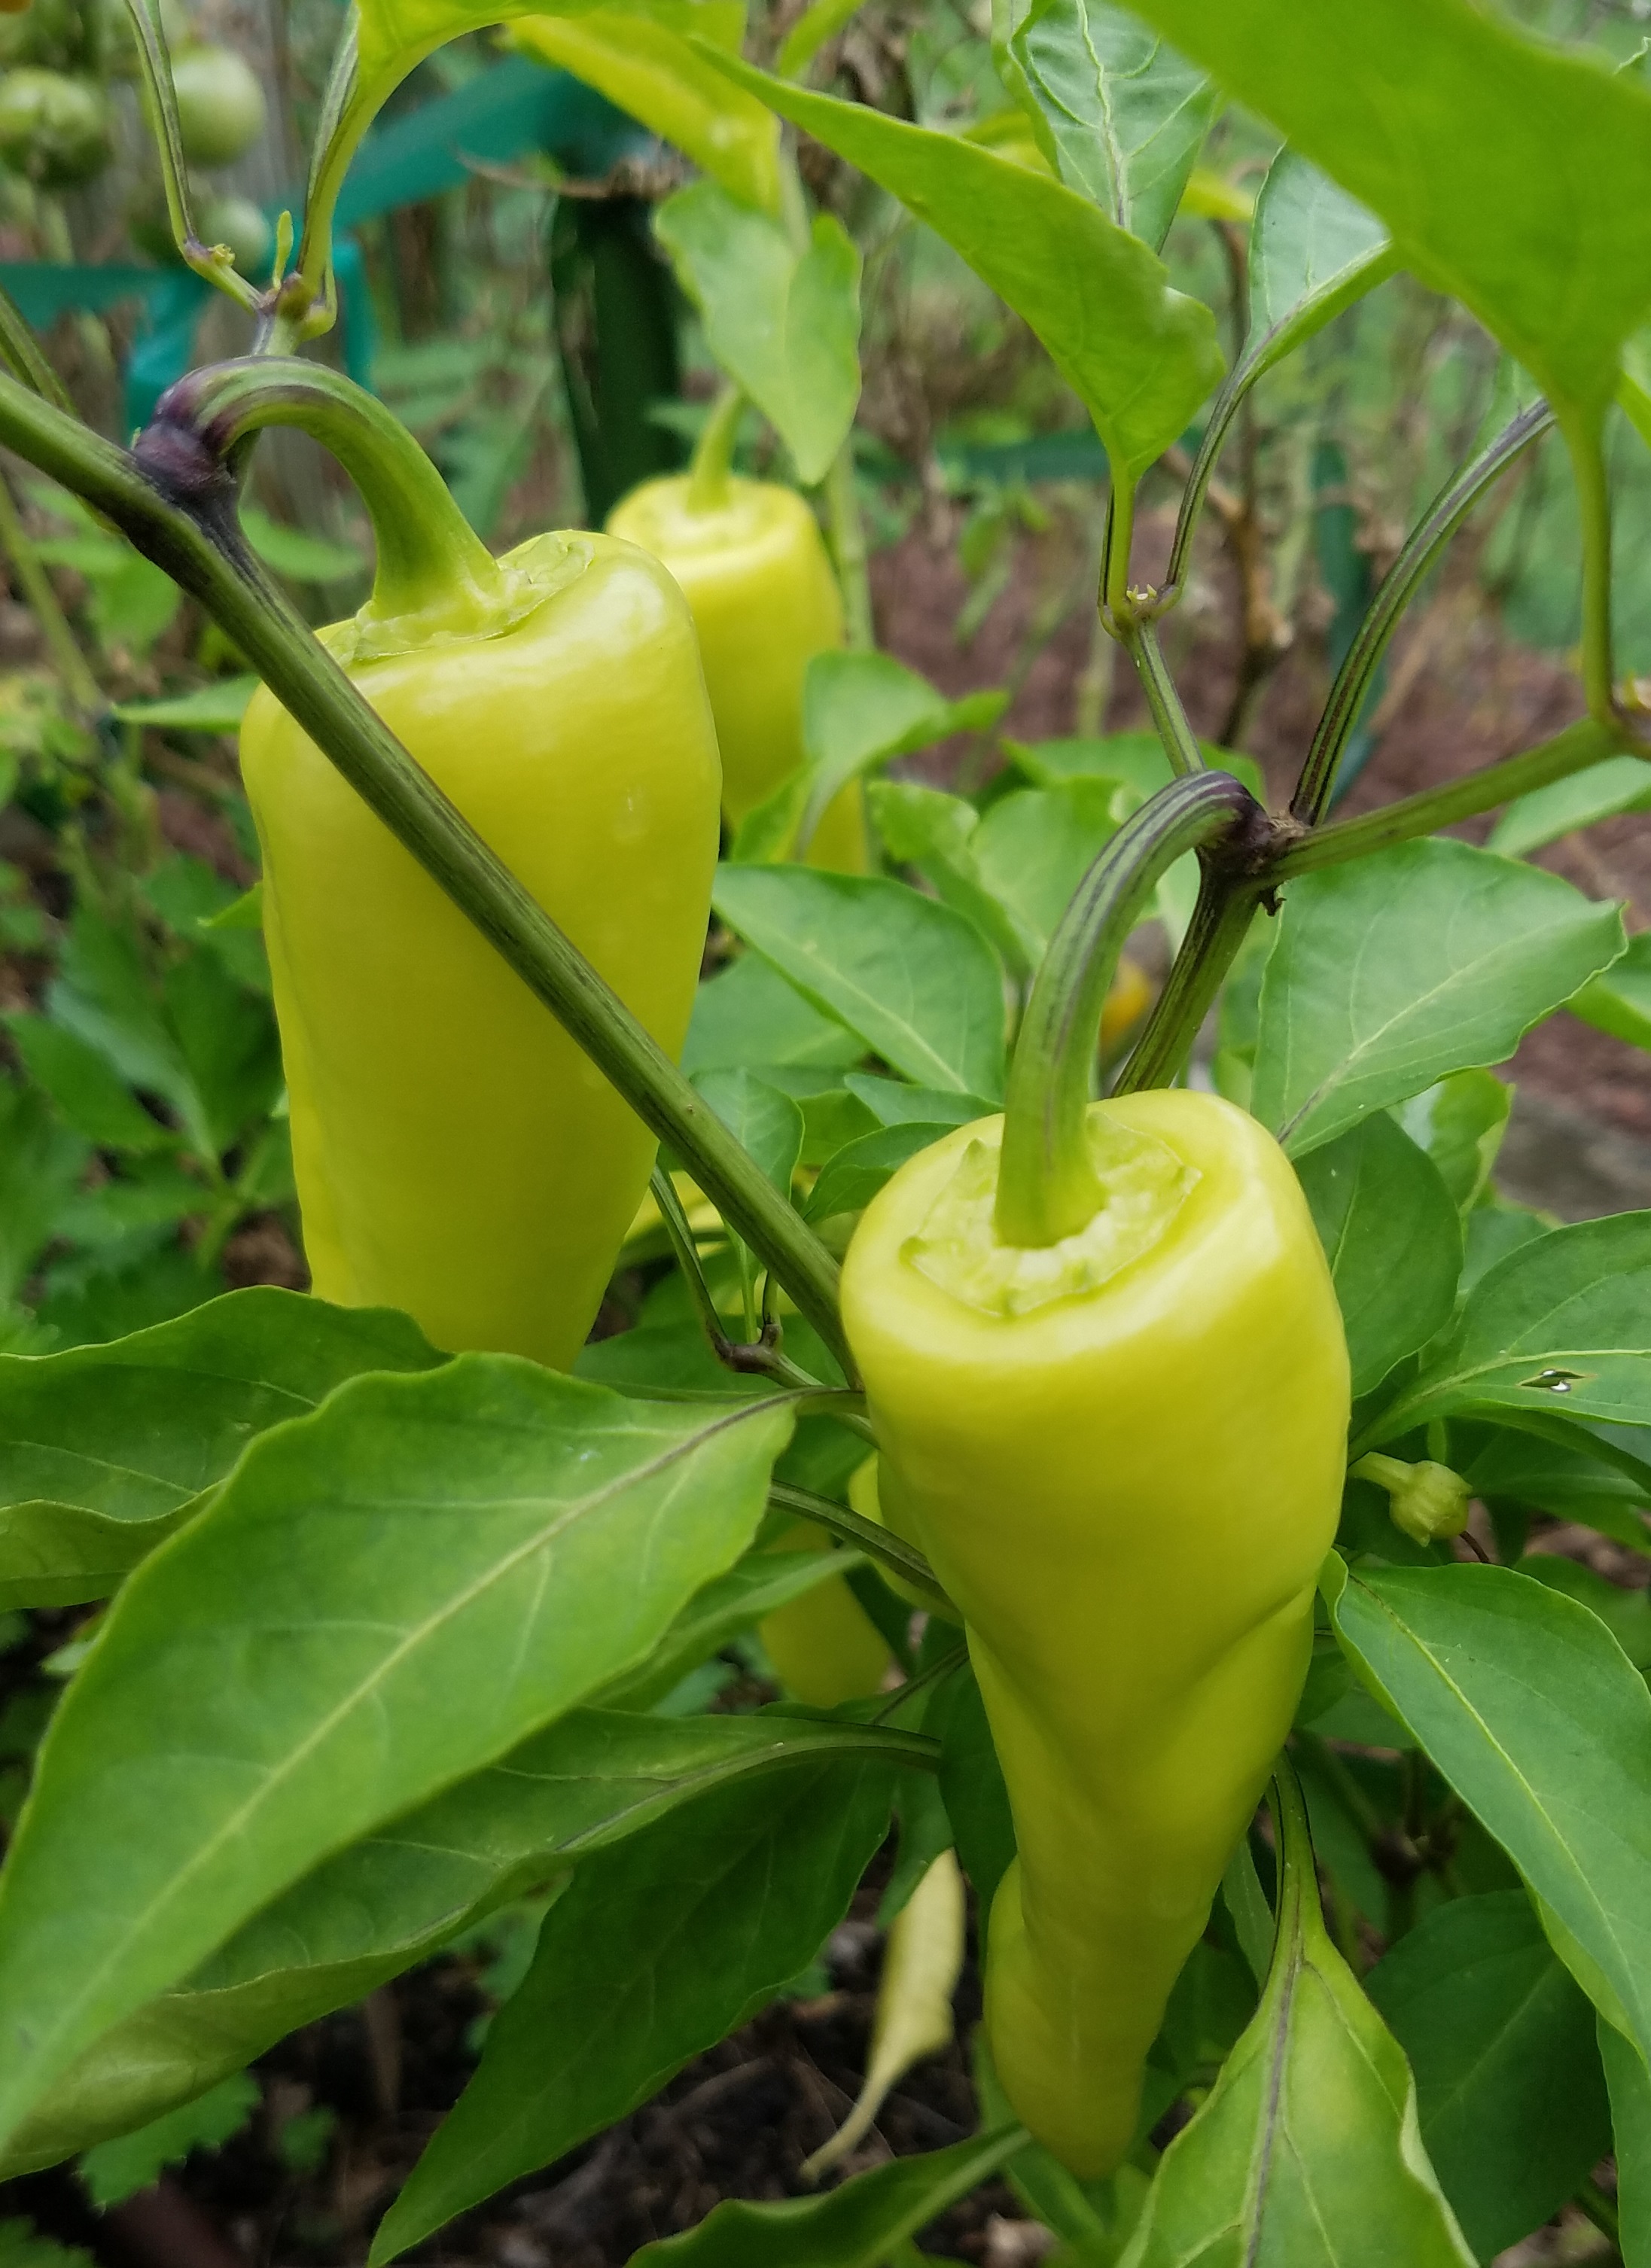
{"x": 764, "y": 601}
{"x": 1123, "y": 1456}
{"x": 456, "y": 1154}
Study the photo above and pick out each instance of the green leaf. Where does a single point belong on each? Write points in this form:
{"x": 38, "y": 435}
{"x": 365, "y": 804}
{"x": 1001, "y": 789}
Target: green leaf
{"x": 860, "y": 1169}
{"x": 1392, "y": 970}
{"x": 917, "y": 982}
{"x": 1513, "y": 174}
{"x": 1308, "y": 2148}
{"x": 105, "y": 1450}
{"x": 41, "y": 1163}
{"x": 925, "y": 828}
{"x": 1626, "y": 1613}
{"x": 638, "y": 54}
{"x": 228, "y": 1041}
{"x": 1460, "y": 1123}
{"x": 215, "y": 708}
{"x": 785, "y": 325}
{"x": 1620, "y": 1002}
{"x": 1033, "y": 849}
{"x": 202, "y": 909}
{"x": 114, "y": 2169}
{"x": 747, "y": 1015}
{"x": 1393, "y": 1240}
{"x": 386, "y": 1902}
{"x": 1120, "y": 116}
{"x": 1565, "y": 1470}
{"x": 22, "y": 2246}
{"x": 1014, "y": 872}
{"x": 863, "y": 710}
{"x": 972, "y": 1786}
{"x": 384, "y": 1596}
{"x": 1313, "y": 251}
{"x": 859, "y": 2226}
{"x": 645, "y": 59}
{"x": 1530, "y": 1710}
{"x": 1512, "y": 2105}
{"x": 1630, "y": 2085}
{"x": 102, "y": 994}
{"x": 1140, "y": 356}
{"x": 298, "y": 555}
{"x": 660, "y": 1948}
{"x": 1563, "y": 1323}
{"x": 1603, "y": 791}
{"x": 767, "y": 1123}
{"x": 93, "y": 1097}
{"x": 891, "y": 1104}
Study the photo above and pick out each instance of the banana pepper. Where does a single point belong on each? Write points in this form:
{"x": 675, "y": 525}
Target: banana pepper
{"x": 750, "y": 562}
{"x": 1110, "y": 1392}
{"x": 456, "y": 1154}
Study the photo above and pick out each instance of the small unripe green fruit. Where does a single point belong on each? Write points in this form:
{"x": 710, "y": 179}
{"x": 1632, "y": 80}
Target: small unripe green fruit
{"x": 53, "y": 128}
{"x": 220, "y": 105}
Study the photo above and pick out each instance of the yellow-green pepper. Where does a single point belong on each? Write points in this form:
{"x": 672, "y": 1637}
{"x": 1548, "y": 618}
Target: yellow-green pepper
{"x": 1122, "y": 1453}
{"x": 750, "y": 562}
{"x": 457, "y": 1155}
{"x": 824, "y": 1647}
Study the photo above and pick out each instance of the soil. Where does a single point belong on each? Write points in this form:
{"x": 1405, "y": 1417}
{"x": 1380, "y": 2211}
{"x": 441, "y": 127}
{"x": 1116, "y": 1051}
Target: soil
{"x": 740, "y": 2120}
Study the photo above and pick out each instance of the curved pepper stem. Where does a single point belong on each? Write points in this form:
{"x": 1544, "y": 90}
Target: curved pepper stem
{"x": 432, "y": 565}
{"x": 712, "y": 464}
{"x": 1048, "y": 1188}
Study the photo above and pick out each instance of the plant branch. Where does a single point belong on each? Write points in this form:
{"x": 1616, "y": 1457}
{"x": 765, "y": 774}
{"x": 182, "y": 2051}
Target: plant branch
{"x": 867, "y": 1536}
{"x": 1317, "y": 784}
{"x": 1580, "y": 745}
{"x": 192, "y": 533}
{"x": 847, "y": 526}
{"x": 1140, "y": 641}
{"x": 1221, "y": 923}
{"x": 160, "y": 107}
{"x": 35, "y": 586}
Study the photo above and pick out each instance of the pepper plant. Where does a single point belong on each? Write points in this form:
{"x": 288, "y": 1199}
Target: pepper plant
{"x": 1178, "y": 1400}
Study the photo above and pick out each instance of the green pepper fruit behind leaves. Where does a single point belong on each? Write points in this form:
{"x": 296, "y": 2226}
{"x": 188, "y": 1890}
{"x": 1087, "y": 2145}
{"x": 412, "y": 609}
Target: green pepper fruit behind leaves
{"x": 54, "y": 128}
{"x": 1123, "y": 1453}
{"x": 220, "y": 105}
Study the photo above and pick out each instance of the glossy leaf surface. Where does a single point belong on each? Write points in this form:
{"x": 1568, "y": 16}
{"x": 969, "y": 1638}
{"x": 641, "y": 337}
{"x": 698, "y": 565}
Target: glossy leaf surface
{"x": 1512, "y": 2105}
{"x": 105, "y": 1450}
{"x": 785, "y": 325}
{"x": 1512, "y": 175}
{"x": 388, "y": 1596}
{"x": 390, "y": 1900}
{"x": 1140, "y": 356}
{"x": 1118, "y": 112}
{"x": 1393, "y": 1240}
{"x": 1531, "y": 1711}
{"x": 917, "y": 982}
{"x": 1392, "y": 970}
{"x": 1308, "y": 2148}
{"x": 1562, "y": 1324}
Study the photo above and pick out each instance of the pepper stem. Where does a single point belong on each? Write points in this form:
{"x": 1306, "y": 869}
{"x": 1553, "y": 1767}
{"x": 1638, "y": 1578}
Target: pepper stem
{"x": 431, "y": 563}
{"x": 713, "y": 453}
{"x": 1048, "y": 1188}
